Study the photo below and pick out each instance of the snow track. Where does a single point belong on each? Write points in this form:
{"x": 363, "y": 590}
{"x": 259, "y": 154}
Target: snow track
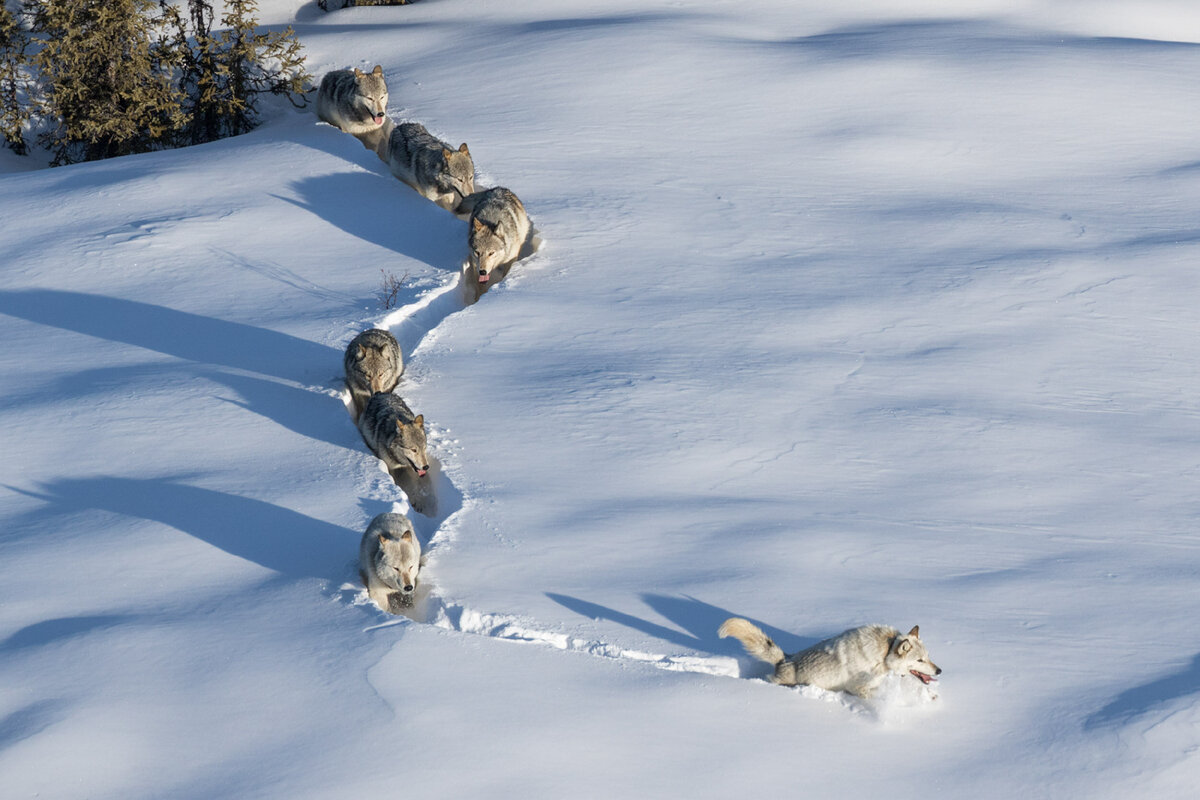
{"x": 413, "y": 324}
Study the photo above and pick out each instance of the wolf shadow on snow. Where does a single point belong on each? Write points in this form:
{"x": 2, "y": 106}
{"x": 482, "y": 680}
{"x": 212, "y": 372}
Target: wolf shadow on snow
{"x": 193, "y": 337}
{"x": 276, "y": 538}
{"x": 700, "y": 620}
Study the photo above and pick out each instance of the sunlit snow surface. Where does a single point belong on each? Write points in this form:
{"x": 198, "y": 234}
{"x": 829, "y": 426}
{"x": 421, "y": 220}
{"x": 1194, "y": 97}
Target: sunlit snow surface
{"x": 879, "y": 312}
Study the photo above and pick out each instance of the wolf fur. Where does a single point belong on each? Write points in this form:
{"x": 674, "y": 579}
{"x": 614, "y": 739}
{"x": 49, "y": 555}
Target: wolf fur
{"x": 354, "y": 101}
{"x": 389, "y": 559}
{"x": 427, "y": 164}
{"x": 854, "y": 661}
{"x": 373, "y": 364}
{"x": 496, "y": 233}
{"x": 393, "y": 434}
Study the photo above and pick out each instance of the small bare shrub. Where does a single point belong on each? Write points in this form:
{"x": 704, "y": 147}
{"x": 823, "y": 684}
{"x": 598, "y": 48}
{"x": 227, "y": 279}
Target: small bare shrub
{"x": 389, "y": 289}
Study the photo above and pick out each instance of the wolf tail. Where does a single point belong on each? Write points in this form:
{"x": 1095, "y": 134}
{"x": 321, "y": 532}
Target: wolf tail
{"x": 757, "y": 643}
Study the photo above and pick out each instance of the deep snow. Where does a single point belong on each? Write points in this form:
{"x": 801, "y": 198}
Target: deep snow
{"x": 878, "y": 313}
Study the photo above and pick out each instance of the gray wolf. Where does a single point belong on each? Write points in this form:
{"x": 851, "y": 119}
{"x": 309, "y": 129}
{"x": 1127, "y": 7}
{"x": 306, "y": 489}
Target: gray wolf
{"x": 389, "y": 560}
{"x": 373, "y": 364}
{"x": 854, "y": 661}
{"x": 496, "y": 233}
{"x": 427, "y": 164}
{"x": 393, "y": 434}
{"x": 353, "y": 100}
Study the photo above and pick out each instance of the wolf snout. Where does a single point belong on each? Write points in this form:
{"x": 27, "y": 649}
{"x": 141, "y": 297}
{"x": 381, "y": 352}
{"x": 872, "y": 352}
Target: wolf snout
{"x": 422, "y": 470}
{"x": 408, "y": 587}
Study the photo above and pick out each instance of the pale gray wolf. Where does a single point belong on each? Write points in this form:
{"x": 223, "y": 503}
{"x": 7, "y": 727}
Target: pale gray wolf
{"x": 497, "y": 231}
{"x": 854, "y": 661}
{"x": 354, "y": 101}
{"x": 394, "y": 434}
{"x": 389, "y": 562}
{"x": 373, "y": 364}
{"x": 427, "y": 164}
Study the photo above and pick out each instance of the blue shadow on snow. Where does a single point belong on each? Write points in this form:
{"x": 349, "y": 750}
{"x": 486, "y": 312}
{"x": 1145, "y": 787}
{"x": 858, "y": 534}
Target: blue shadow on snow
{"x": 1141, "y": 699}
{"x": 29, "y": 721}
{"x": 49, "y": 631}
{"x": 700, "y": 620}
{"x": 176, "y": 333}
{"x": 276, "y": 538}
{"x": 384, "y": 211}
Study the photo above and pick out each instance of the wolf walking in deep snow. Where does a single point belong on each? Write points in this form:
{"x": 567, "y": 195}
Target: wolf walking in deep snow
{"x": 390, "y": 560}
{"x": 427, "y": 164}
{"x": 854, "y": 661}
{"x": 354, "y": 101}
{"x": 496, "y": 233}
{"x": 394, "y": 434}
{"x": 397, "y": 438}
{"x": 373, "y": 364}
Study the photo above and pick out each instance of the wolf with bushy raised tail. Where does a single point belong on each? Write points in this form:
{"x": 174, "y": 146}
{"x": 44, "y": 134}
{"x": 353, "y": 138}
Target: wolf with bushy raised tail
{"x": 390, "y": 561}
{"x": 354, "y": 101}
{"x": 854, "y": 661}
{"x": 373, "y": 364}
{"x": 427, "y": 164}
{"x": 497, "y": 231}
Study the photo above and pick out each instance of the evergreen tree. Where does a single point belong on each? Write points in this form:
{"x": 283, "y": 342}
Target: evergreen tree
{"x": 14, "y": 109}
{"x": 222, "y": 75}
{"x": 258, "y": 63}
{"x": 106, "y": 77}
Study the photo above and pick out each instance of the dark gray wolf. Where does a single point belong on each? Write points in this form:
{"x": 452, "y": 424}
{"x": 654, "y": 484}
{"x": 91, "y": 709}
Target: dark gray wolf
{"x": 427, "y": 164}
{"x": 373, "y": 364}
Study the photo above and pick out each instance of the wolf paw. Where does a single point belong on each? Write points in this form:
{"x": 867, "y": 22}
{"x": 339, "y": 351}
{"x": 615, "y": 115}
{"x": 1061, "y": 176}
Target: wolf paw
{"x": 399, "y": 603}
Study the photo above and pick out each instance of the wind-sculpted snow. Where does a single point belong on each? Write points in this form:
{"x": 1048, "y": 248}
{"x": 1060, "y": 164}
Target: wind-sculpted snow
{"x": 880, "y": 312}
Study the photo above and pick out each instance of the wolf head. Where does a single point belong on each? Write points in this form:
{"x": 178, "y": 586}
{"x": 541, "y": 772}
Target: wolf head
{"x": 908, "y": 654}
{"x": 398, "y": 562}
{"x": 488, "y": 249}
{"x": 376, "y": 367}
{"x": 459, "y": 172}
{"x": 372, "y": 95}
{"x": 407, "y": 447}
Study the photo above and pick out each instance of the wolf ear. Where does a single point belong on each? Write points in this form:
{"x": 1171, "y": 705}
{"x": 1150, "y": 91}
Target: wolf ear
{"x": 477, "y": 224}
{"x": 462, "y": 148}
{"x": 406, "y": 536}
{"x": 361, "y": 353}
{"x": 903, "y": 647}
{"x": 378, "y": 70}
{"x": 419, "y": 421}
{"x": 445, "y": 153}
{"x": 916, "y": 631}
{"x": 399, "y": 423}
{"x": 382, "y": 539}
{"x": 358, "y": 73}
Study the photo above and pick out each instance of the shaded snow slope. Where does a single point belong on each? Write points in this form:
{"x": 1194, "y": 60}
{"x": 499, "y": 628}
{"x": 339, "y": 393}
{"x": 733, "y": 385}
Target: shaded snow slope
{"x": 876, "y": 314}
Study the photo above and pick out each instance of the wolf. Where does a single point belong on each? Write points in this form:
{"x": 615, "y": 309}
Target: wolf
{"x": 373, "y": 364}
{"x": 393, "y": 434}
{"x": 427, "y": 164}
{"x": 497, "y": 231}
{"x": 389, "y": 561}
{"x": 854, "y": 661}
{"x": 354, "y": 101}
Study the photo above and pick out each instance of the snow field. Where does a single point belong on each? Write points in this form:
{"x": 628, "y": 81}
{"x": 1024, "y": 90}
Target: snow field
{"x": 878, "y": 313}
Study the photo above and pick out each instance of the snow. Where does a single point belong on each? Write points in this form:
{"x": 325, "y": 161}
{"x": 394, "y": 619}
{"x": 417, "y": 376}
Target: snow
{"x": 846, "y": 314}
